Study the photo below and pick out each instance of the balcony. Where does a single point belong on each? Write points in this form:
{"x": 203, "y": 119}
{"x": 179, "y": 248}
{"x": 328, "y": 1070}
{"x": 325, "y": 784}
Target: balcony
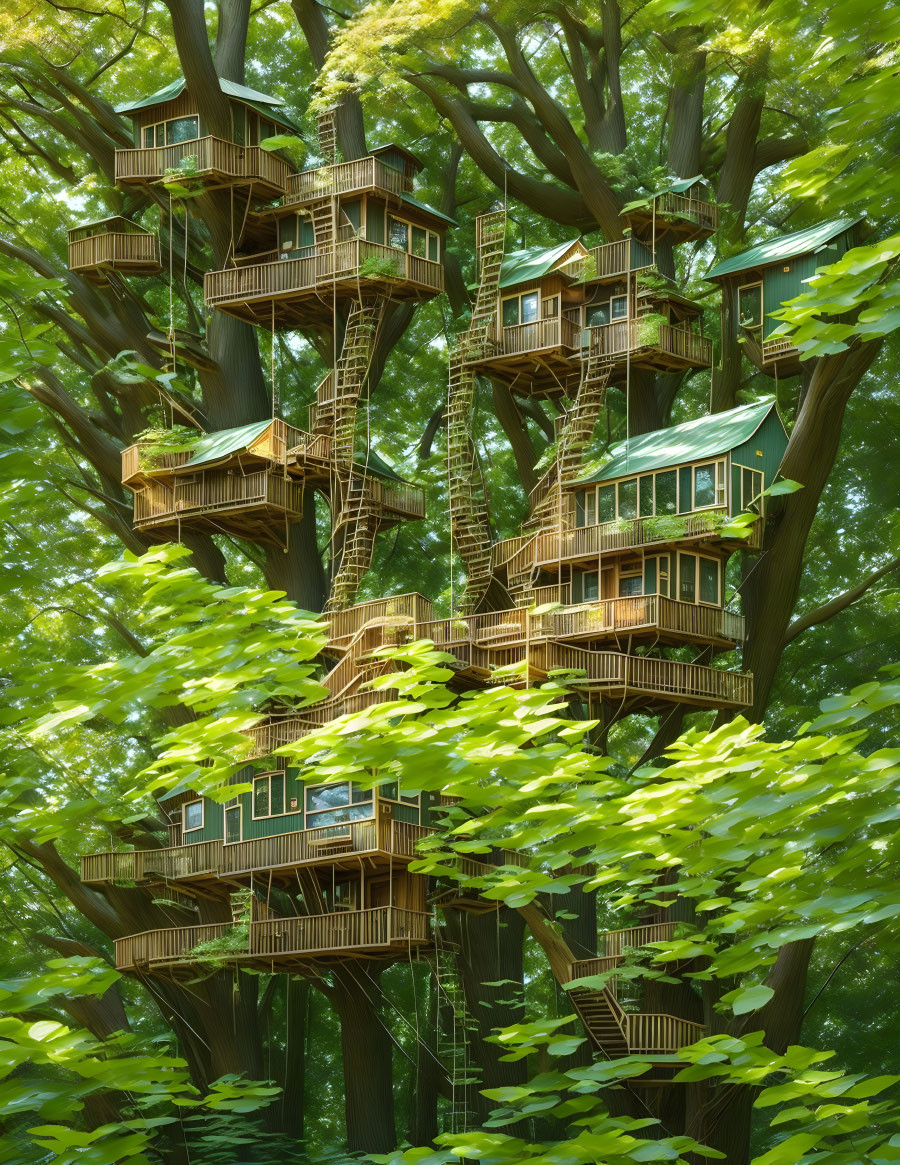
{"x": 383, "y": 930}
{"x": 672, "y": 348}
{"x": 253, "y": 505}
{"x": 611, "y": 261}
{"x": 780, "y": 348}
{"x": 291, "y": 287}
{"x": 218, "y": 163}
{"x": 523, "y": 555}
{"x": 134, "y": 252}
{"x": 201, "y": 860}
{"x": 336, "y": 844}
{"x": 407, "y": 501}
{"x": 363, "y": 174}
{"x": 345, "y": 624}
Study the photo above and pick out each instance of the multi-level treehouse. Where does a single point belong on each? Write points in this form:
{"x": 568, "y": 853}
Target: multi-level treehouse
{"x": 758, "y": 281}
{"x": 171, "y": 139}
{"x": 349, "y": 230}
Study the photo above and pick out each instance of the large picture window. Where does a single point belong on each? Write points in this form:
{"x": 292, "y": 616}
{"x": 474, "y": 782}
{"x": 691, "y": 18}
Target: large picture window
{"x": 751, "y": 488}
{"x": 671, "y": 491}
{"x": 171, "y": 132}
{"x": 521, "y": 309}
{"x": 750, "y": 306}
{"x": 406, "y": 236}
{"x": 337, "y": 804}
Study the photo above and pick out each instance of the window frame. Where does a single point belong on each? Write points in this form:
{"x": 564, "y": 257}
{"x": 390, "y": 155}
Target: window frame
{"x": 280, "y": 773}
{"x": 700, "y": 601}
{"x": 590, "y": 507}
{"x": 230, "y": 807}
{"x": 410, "y": 226}
{"x": 312, "y": 813}
{"x": 185, "y": 828}
{"x": 745, "y": 504}
{"x": 517, "y": 297}
{"x": 155, "y": 126}
{"x": 762, "y": 314}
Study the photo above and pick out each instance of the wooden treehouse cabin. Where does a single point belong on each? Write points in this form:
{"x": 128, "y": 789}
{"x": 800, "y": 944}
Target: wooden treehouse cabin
{"x": 113, "y": 244}
{"x": 760, "y": 280}
{"x": 345, "y": 231}
{"x": 682, "y": 212}
{"x": 532, "y": 340}
{"x": 171, "y": 142}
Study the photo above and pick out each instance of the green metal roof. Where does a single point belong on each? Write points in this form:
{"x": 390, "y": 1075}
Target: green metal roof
{"x": 709, "y": 436}
{"x": 431, "y": 210}
{"x": 261, "y": 102}
{"x": 681, "y": 185}
{"x": 531, "y": 263}
{"x": 783, "y": 247}
{"x": 215, "y": 446}
{"x": 377, "y": 465}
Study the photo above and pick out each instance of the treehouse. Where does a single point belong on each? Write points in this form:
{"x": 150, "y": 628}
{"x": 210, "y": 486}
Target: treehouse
{"x": 650, "y": 326}
{"x": 362, "y": 234}
{"x": 614, "y": 1027}
{"x": 682, "y": 212}
{"x": 759, "y": 281}
{"x": 532, "y": 339}
{"x": 113, "y": 244}
{"x": 172, "y": 142}
{"x": 246, "y": 481}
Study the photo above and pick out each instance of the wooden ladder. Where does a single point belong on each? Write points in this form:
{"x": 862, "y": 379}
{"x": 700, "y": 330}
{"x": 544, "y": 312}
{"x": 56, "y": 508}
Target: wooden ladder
{"x": 323, "y": 224}
{"x": 470, "y": 524}
{"x": 360, "y": 520}
{"x": 327, "y": 128}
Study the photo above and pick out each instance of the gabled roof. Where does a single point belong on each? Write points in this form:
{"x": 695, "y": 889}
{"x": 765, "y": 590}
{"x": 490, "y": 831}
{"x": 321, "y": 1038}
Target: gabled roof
{"x": 709, "y": 436}
{"x": 532, "y": 262}
{"x": 215, "y": 446}
{"x": 261, "y": 102}
{"x": 383, "y": 149}
{"x": 408, "y": 198}
{"x": 681, "y": 185}
{"x": 784, "y": 247}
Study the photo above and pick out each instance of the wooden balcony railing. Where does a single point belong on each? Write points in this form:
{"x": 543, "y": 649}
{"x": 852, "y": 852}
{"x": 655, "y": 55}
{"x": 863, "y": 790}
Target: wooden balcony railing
{"x": 623, "y": 336}
{"x": 696, "y": 209}
{"x": 552, "y": 546}
{"x": 168, "y": 945}
{"x": 131, "y": 249}
{"x": 610, "y": 260}
{"x": 345, "y": 177}
{"x": 616, "y": 941}
{"x": 343, "y": 624}
{"x": 397, "y": 496}
{"x": 307, "y": 846}
{"x": 214, "y": 492}
{"x": 534, "y": 337}
{"x": 172, "y": 862}
{"x": 277, "y": 732}
{"x": 632, "y": 612}
{"x": 328, "y": 265}
{"x": 776, "y": 348}
{"x": 378, "y": 927}
{"x": 213, "y": 155}
{"x": 659, "y": 1035}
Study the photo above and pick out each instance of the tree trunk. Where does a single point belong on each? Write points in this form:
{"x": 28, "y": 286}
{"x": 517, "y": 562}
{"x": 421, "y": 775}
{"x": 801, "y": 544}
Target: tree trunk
{"x": 366, "y": 1048}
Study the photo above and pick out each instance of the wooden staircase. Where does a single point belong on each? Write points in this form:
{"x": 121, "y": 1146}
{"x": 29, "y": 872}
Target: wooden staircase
{"x": 470, "y": 524}
{"x": 603, "y": 1020}
{"x": 350, "y": 375}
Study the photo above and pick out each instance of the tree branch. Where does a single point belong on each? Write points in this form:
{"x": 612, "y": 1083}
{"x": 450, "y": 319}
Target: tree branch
{"x": 836, "y": 605}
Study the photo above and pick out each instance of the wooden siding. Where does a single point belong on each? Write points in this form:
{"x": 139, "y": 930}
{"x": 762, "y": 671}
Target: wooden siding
{"x": 771, "y": 440}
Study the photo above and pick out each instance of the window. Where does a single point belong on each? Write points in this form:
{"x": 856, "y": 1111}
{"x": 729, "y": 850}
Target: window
{"x": 750, "y": 305}
{"x": 664, "y": 574}
{"x": 337, "y": 804}
{"x": 709, "y": 581}
{"x": 665, "y": 492}
{"x": 628, "y": 499}
{"x": 649, "y": 576}
{"x": 550, "y": 308}
{"x": 406, "y": 236}
{"x": 646, "y": 493}
{"x": 704, "y": 485}
{"x": 193, "y": 815}
{"x": 687, "y": 578}
{"x": 630, "y": 580}
{"x": 618, "y": 307}
{"x": 521, "y": 309}
{"x": 751, "y": 488}
{"x": 268, "y": 795}
{"x": 597, "y": 315}
{"x": 590, "y": 586}
{"x": 606, "y": 503}
{"x": 685, "y": 498}
{"x": 171, "y": 132}
{"x": 232, "y": 824}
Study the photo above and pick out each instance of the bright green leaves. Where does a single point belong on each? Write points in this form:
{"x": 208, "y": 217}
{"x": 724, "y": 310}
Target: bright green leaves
{"x": 856, "y": 297}
{"x": 747, "y": 998}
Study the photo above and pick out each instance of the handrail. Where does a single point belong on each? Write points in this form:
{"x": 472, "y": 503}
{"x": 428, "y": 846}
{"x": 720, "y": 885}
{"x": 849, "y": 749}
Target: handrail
{"x": 212, "y": 154}
{"x": 344, "y": 177}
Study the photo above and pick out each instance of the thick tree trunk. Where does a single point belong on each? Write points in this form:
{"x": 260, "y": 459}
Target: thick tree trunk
{"x": 366, "y": 1048}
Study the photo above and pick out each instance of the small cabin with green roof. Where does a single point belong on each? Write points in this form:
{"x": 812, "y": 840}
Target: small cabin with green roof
{"x": 758, "y": 281}
{"x": 681, "y": 212}
{"x": 170, "y": 134}
{"x": 535, "y": 339}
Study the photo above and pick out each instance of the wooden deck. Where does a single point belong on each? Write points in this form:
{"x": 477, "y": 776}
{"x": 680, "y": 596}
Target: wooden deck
{"x": 256, "y": 505}
{"x": 378, "y": 841}
{"x": 293, "y": 288}
{"x": 219, "y": 163}
{"x": 544, "y": 356}
{"x": 133, "y": 253}
{"x": 610, "y": 261}
{"x": 675, "y": 349}
{"x": 523, "y": 554}
{"x": 363, "y": 174}
{"x": 343, "y": 625}
{"x": 780, "y": 348}
{"x": 379, "y": 932}
{"x": 679, "y": 216}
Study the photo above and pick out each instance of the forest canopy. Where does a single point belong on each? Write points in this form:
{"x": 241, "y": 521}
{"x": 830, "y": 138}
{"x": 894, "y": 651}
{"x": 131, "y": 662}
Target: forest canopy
{"x": 449, "y": 516}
